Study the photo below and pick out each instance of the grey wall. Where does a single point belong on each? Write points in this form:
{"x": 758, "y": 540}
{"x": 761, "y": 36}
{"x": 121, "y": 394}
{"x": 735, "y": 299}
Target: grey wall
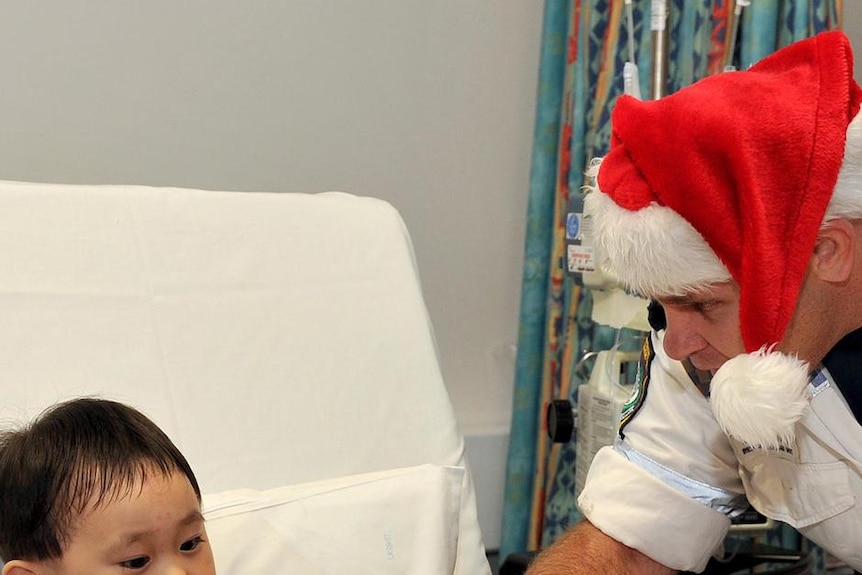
{"x": 428, "y": 105}
{"x": 853, "y": 29}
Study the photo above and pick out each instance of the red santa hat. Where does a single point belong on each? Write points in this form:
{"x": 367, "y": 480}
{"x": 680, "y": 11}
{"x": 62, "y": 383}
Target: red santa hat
{"x": 730, "y": 178}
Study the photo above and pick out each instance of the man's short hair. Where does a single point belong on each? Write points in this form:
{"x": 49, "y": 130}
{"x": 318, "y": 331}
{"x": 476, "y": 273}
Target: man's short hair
{"x": 846, "y": 201}
{"x": 77, "y": 455}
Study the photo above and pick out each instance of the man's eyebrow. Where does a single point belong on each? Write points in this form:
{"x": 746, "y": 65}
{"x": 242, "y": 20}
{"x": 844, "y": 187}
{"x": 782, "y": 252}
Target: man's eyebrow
{"x": 677, "y": 299}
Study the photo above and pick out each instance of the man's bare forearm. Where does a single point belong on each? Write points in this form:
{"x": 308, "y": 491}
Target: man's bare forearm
{"x": 586, "y": 550}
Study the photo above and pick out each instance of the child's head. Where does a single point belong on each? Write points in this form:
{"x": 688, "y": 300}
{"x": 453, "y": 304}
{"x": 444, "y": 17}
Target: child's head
{"x": 93, "y": 486}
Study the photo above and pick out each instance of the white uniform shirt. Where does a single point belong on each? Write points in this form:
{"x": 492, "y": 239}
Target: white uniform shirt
{"x": 668, "y": 487}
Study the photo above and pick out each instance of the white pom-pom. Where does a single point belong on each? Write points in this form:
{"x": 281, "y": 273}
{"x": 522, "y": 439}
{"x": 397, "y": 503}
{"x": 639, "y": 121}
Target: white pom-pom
{"x": 758, "y": 397}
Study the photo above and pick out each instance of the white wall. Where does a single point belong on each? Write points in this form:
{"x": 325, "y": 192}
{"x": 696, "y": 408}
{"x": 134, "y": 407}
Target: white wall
{"x": 428, "y": 105}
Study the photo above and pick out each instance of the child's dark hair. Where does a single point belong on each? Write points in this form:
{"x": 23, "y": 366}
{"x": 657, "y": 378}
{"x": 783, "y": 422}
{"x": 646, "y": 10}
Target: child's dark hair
{"x": 77, "y": 455}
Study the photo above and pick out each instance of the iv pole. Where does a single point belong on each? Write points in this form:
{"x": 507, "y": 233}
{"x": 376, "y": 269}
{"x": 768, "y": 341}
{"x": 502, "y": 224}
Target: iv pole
{"x": 730, "y": 44}
{"x": 631, "y": 78}
{"x": 658, "y": 28}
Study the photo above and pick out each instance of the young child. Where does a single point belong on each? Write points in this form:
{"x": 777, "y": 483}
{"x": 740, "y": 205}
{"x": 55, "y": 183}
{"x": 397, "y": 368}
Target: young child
{"x": 94, "y": 487}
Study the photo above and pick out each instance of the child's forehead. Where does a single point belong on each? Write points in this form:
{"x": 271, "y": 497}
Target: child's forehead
{"x": 159, "y": 510}
{"x": 96, "y": 488}
{"x": 152, "y": 491}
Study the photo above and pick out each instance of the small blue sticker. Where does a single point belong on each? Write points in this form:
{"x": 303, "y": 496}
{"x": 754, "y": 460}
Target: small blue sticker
{"x": 573, "y": 226}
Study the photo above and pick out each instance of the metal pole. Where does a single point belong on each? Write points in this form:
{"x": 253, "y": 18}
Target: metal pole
{"x": 732, "y": 34}
{"x": 658, "y": 28}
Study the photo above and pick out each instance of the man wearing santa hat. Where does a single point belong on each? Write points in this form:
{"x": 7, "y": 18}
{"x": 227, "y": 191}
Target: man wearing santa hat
{"x": 736, "y": 204}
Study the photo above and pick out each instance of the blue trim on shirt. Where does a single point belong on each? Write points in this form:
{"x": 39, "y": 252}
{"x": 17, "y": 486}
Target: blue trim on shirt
{"x": 721, "y": 500}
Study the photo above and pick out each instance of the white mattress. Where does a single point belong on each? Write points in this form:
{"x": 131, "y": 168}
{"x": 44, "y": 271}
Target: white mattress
{"x": 278, "y": 338}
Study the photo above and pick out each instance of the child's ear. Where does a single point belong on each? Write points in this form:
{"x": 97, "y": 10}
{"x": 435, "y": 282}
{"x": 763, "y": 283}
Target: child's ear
{"x": 20, "y": 567}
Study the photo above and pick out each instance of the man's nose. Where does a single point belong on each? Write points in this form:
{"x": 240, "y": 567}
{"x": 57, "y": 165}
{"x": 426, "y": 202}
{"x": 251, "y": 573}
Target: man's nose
{"x": 681, "y": 337}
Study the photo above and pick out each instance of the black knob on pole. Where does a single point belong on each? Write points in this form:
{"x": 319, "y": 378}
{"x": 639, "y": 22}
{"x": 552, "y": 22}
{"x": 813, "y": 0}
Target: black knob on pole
{"x": 561, "y": 421}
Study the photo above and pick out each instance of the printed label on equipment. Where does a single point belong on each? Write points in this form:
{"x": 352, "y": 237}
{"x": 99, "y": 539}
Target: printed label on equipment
{"x": 580, "y": 258}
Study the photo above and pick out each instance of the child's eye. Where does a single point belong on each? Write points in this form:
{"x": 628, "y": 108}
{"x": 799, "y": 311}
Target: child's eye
{"x": 136, "y": 563}
{"x": 192, "y": 543}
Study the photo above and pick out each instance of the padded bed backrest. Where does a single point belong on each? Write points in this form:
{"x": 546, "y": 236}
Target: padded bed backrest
{"x": 278, "y": 338}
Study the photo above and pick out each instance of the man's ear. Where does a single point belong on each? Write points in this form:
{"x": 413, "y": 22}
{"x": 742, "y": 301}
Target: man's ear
{"x": 20, "y": 567}
{"x": 835, "y": 251}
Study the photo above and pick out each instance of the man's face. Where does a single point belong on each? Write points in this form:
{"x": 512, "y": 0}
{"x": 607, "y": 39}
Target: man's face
{"x": 157, "y": 529}
{"x": 704, "y": 327}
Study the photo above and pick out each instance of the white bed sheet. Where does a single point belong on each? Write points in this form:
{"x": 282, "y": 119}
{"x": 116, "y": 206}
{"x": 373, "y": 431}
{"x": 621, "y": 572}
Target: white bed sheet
{"x": 396, "y": 522}
{"x": 278, "y": 338}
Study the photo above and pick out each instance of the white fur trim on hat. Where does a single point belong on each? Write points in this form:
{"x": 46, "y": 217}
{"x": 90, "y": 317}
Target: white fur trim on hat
{"x": 653, "y": 251}
{"x": 759, "y": 397}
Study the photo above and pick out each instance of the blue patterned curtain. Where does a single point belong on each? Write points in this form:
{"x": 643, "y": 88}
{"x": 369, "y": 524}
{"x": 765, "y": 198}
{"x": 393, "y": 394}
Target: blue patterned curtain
{"x": 584, "y": 47}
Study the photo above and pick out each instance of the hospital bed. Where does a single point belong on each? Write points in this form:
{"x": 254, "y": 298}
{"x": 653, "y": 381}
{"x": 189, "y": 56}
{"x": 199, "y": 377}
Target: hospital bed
{"x": 280, "y": 339}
